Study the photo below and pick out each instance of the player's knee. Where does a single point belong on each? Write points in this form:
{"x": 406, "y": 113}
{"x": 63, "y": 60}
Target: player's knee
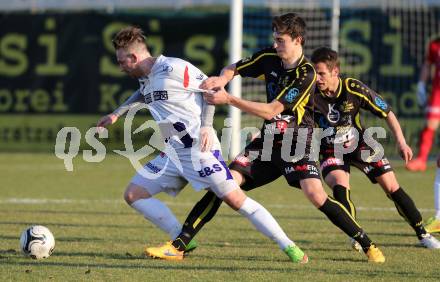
{"x": 330, "y": 181}
{"x": 235, "y": 199}
{"x": 391, "y": 187}
{"x": 133, "y": 193}
{"x": 336, "y": 177}
{"x": 388, "y": 182}
{"x": 314, "y": 191}
{"x": 129, "y": 196}
{"x": 317, "y": 199}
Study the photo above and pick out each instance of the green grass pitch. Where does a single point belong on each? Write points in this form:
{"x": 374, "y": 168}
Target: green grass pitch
{"x": 99, "y": 238}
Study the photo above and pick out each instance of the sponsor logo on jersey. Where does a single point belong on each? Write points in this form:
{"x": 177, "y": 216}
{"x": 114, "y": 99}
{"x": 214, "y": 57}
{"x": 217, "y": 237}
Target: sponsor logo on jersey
{"x": 333, "y": 114}
{"x": 274, "y": 74}
{"x": 153, "y": 168}
{"x": 380, "y": 103}
{"x": 281, "y": 125}
{"x": 291, "y": 95}
{"x": 200, "y": 76}
{"x": 207, "y": 171}
{"x": 284, "y": 81}
{"x": 167, "y": 68}
{"x": 346, "y": 107}
{"x": 156, "y": 96}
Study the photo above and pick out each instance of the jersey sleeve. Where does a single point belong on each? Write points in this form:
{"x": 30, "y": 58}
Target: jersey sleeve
{"x": 135, "y": 99}
{"x": 369, "y": 99}
{"x": 253, "y": 66}
{"x": 300, "y": 86}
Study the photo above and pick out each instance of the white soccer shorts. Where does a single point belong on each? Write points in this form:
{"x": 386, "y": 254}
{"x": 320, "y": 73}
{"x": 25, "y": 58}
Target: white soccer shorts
{"x": 201, "y": 169}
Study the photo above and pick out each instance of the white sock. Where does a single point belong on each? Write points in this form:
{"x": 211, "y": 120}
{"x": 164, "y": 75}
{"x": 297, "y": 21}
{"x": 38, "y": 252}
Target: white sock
{"x": 264, "y": 222}
{"x": 437, "y": 194}
{"x": 159, "y": 214}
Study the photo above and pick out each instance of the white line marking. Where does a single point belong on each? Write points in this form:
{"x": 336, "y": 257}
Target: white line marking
{"x": 39, "y": 201}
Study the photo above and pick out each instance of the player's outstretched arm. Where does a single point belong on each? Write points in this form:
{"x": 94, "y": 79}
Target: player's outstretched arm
{"x": 404, "y": 150}
{"x": 206, "y": 130}
{"x": 107, "y": 120}
{"x": 135, "y": 99}
{"x": 263, "y": 110}
{"x": 226, "y": 75}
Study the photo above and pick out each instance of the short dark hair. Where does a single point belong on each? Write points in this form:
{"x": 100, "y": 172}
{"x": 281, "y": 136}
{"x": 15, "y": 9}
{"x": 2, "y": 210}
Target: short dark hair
{"x": 326, "y": 55}
{"x": 291, "y": 24}
{"x": 129, "y": 36}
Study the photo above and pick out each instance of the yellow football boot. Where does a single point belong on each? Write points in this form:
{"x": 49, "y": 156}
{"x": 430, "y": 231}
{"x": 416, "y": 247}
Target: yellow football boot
{"x": 375, "y": 255}
{"x": 166, "y": 252}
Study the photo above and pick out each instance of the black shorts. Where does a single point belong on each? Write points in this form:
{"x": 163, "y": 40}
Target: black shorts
{"x": 259, "y": 172}
{"x": 371, "y": 169}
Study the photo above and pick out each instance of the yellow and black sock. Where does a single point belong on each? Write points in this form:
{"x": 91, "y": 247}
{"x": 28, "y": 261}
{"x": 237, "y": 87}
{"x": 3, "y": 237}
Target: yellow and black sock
{"x": 342, "y": 195}
{"x": 340, "y": 217}
{"x": 407, "y": 209}
{"x": 202, "y": 212}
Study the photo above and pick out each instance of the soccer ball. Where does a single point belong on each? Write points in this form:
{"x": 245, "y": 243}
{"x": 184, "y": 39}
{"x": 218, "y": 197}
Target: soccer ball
{"x": 37, "y": 242}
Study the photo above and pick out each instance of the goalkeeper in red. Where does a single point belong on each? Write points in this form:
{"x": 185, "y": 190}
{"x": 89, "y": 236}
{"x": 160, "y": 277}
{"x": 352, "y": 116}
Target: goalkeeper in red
{"x": 432, "y": 106}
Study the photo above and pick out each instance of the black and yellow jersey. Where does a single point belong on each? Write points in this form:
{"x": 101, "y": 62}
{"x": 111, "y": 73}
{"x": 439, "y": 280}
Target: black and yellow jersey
{"x": 292, "y": 87}
{"x": 341, "y": 112}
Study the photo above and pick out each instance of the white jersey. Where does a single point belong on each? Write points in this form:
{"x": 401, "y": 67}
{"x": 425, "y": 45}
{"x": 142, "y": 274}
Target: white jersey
{"x": 172, "y": 94}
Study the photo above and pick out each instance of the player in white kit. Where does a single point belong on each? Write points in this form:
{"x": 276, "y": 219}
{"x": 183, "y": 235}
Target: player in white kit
{"x": 169, "y": 88}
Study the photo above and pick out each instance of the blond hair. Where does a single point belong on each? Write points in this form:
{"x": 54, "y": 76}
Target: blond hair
{"x": 129, "y": 37}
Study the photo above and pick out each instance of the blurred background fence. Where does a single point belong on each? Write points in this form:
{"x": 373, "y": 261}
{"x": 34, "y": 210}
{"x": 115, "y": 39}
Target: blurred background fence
{"x": 57, "y": 65}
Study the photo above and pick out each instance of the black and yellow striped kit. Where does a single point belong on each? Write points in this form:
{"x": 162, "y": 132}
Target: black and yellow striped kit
{"x": 292, "y": 87}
